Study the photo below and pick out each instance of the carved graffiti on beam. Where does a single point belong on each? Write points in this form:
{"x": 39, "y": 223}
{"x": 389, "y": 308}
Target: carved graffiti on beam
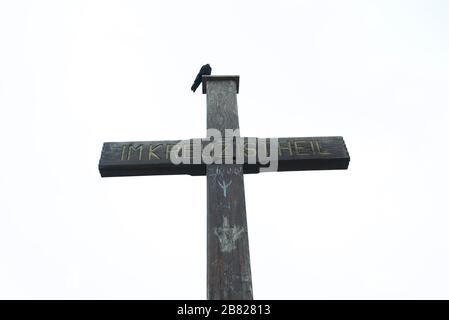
{"x": 225, "y": 185}
{"x": 227, "y": 235}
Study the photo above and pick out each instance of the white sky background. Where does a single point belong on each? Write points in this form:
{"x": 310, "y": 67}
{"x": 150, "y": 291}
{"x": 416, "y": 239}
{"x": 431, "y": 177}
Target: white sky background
{"x": 74, "y": 74}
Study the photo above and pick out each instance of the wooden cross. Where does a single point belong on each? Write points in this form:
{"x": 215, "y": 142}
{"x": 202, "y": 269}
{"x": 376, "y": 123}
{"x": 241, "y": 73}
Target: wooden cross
{"x": 228, "y": 262}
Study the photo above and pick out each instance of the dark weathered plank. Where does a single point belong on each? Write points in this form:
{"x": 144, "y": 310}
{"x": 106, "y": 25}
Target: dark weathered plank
{"x": 228, "y": 262}
{"x": 153, "y": 157}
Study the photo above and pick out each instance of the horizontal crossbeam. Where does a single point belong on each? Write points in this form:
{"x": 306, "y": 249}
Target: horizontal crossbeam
{"x": 192, "y": 156}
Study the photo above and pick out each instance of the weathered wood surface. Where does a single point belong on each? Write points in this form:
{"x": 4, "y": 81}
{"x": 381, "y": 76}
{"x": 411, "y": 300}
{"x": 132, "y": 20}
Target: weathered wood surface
{"x": 228, "y": 262}
{"x": 153, "y": 157}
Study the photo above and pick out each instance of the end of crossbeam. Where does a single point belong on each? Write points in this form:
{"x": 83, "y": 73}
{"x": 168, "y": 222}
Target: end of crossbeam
{"x": 220, "y": 78}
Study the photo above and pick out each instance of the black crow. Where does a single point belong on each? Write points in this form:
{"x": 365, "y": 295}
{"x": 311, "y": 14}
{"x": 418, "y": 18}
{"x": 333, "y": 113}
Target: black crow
{"x": 205, "y": 70}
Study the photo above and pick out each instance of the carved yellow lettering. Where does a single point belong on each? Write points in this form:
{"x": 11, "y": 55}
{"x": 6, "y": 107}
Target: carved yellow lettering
{"x": 313, "y": 148}
{"x": 131, "y": 148}
{"x": 299, "y": 147}
{"x": 287, "y": 147}
{"x": 151, "y": 151}
{"x": 167, "y": 150}
{"x": 318, "y": 147}
{"x": 123, "y": 153}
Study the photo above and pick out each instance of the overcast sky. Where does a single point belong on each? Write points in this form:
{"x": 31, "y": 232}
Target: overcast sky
{"x": 74, "y": 74}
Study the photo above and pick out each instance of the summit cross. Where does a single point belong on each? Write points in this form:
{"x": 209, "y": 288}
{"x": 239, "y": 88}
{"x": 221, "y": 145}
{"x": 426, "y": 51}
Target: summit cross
{"x": 224, "y": 157}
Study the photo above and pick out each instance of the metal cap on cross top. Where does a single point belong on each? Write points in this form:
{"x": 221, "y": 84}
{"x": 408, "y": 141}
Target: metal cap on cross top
{"x": 220, "y": 78}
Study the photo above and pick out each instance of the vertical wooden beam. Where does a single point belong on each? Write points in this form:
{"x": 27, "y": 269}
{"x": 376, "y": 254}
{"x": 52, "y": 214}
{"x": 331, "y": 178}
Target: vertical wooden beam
{"x": 228, "y": 262}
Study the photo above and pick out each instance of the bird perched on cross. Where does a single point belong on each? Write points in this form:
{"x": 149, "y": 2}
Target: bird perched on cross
{"x": 205, "y": 70}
